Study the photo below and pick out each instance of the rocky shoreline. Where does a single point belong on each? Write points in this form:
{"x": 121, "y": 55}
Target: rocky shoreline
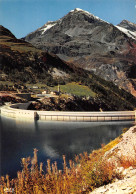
{"x": 124, "y": 155}
{"x": 125, "y": 186}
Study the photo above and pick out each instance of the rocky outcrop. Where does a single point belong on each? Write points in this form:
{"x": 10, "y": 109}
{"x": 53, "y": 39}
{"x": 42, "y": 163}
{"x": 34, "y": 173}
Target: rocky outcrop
{"x": 10, "y": 97}
{"x": 124, "y": 152}
{"x": 125, "y": 186}
{"x": 69, "y": 103}
{"x": 93, "y": 44}
{"x": 127, "y": 146}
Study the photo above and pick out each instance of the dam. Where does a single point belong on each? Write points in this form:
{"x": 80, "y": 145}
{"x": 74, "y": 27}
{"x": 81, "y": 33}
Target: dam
{"x": 14, "y": 111}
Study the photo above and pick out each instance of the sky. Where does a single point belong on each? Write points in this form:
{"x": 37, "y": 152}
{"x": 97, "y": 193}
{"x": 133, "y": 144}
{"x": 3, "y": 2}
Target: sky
{"x": 24, "y": 16}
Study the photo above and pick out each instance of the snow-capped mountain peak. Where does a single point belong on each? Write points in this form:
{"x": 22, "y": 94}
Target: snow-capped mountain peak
{"x": 128, "y": 25}
{"x": 129, "y": 33}
{"x": 92, "y": 44}
{"x": 87, "y": 13}
{"x": 76, "y": 9}
{"x": 80, "y": 10}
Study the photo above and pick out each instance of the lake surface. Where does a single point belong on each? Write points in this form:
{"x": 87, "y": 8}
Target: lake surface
{"x": 52, "y": 139}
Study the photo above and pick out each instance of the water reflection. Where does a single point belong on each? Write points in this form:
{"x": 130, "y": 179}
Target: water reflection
{"x": 52, "y": 139}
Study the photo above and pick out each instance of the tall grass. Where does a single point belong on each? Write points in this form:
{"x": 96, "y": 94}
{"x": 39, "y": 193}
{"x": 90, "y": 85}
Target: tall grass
{"x": 84, "y": 174}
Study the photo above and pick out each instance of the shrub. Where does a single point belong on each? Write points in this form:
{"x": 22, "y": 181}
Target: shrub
{"x": 85, "y": 174}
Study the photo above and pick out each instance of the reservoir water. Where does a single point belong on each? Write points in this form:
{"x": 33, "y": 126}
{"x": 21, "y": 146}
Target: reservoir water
{"x": 18, "y": 138}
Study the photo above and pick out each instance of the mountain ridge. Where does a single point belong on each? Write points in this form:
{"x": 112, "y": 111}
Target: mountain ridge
{"x": 20, "y": 62}
{"x": 92, "y": 44}
{"x": 128, "y": 25}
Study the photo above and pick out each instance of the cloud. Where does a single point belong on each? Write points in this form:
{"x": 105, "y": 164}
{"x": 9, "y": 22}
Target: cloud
{"x": 50, "y": 152}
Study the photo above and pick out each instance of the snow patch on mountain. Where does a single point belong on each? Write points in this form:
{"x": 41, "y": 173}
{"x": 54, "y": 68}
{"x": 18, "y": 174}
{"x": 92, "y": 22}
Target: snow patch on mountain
{"x": 47, "y": 26}
{"x": 88, "y": 13}
{"x": 127, "y": 32}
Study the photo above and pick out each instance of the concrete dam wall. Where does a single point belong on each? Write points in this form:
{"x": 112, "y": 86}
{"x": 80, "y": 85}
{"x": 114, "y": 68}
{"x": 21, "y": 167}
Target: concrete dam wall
{"x": 14, "y": 112}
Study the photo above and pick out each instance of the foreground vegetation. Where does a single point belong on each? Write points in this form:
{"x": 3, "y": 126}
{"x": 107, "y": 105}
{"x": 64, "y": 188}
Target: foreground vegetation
{"x": 83, "y": 175}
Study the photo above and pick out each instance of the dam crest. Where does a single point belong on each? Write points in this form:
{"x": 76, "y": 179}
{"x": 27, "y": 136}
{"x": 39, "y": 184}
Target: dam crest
{"x": 14, "y": 111}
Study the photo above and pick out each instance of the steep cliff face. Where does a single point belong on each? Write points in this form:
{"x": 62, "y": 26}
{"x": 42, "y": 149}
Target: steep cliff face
{"x": 93, "y": 44}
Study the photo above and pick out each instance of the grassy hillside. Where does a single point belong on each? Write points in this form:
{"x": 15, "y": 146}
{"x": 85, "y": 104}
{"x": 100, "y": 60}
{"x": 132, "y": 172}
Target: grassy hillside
{"x": 20, "y": 62}
{"x": 75, "y": 88}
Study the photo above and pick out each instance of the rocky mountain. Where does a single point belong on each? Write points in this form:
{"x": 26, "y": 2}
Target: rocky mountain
{"x": 92, "y": 44}
{"x": 128, "y": 25}
{"x": 128, "y": 28}
{"x": 22, "y": 62}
